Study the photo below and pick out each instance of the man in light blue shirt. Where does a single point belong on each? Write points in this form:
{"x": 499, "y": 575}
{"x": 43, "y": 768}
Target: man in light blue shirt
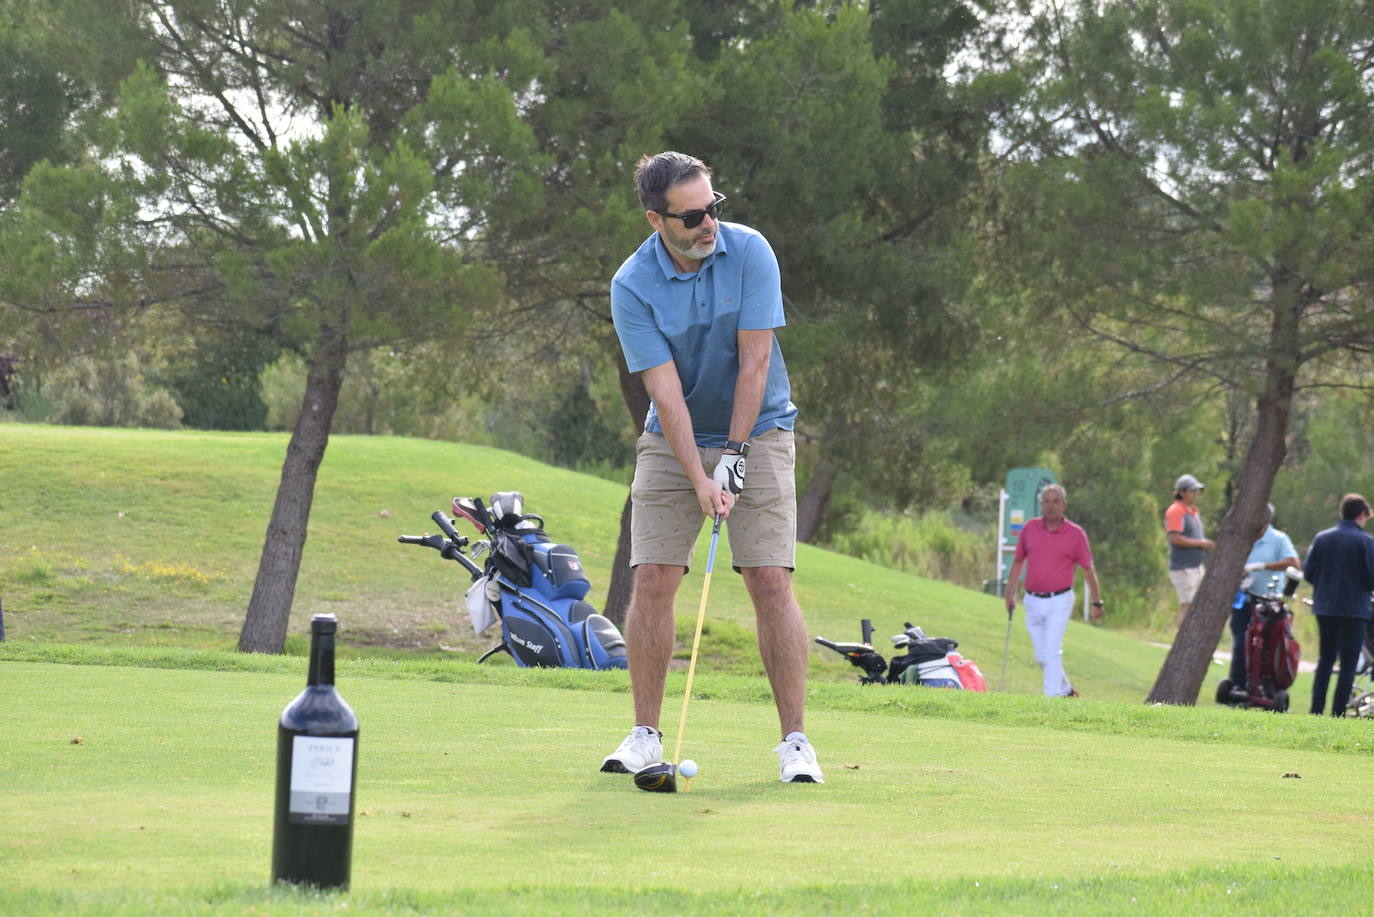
{"x": 1271, "y": 555}
{"x": 1274, "y": 553}
{"x": 695, "y": 307}
{"x": 692, "y": 318}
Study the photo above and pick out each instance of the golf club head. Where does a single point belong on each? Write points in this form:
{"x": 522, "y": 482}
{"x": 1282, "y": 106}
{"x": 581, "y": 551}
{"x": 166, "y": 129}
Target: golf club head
{"x": 657, "y": 778}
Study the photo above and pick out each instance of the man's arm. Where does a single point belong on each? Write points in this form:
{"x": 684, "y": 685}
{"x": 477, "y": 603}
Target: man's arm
{"x": 1173, "y": 530}
{"x": 755, "y": 354}
{"x": 1180, "y": 540}
{"x": 1094, "y": 592}
{"x": 1013, "y": 581}
{"x": 1311, "y": 569}
{"x": 665, "y": 388}
{"x": 1368, "y": 578}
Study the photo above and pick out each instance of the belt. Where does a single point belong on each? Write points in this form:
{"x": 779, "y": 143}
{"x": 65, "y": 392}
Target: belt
{"x": 1050, "y": 595}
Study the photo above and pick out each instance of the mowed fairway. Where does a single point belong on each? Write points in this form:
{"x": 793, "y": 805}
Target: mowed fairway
{"x": 123, "y": 779}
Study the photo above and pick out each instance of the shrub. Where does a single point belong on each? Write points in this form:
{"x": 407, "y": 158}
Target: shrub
{"x": 109, "y": 393}
{"x": 929, "y": 544}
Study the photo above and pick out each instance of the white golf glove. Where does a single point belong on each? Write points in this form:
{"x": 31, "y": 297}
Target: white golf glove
{"x": 730, "y": 473}
{"x": 1257, "y": 565}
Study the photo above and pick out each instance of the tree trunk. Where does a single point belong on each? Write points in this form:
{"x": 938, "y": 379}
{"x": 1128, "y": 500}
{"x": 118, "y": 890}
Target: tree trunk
{"x": 622, "y": 578}
{"x": 1185, "y": 668}
{"x": 811, "y": 508}
{"x": 269, "y": 609}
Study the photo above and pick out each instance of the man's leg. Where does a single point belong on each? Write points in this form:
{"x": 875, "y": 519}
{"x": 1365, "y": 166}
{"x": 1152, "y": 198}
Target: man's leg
{"x": 1327, "y": 644}
{"x": 1349, "y": 640}
{"x": 1240, "y": 624}
{"x": 650, "y": 627}
{"x": 1034, "y": 615}
{"x": 1185, "y": 585}
{"x": 664, "y": 523}
{"x": 1058, "y": 610}
{"x": 782, "y": 641}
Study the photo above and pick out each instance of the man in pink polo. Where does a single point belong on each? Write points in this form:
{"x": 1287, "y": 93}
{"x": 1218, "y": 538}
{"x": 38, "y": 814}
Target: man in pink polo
{"x": 1049, "y": 547}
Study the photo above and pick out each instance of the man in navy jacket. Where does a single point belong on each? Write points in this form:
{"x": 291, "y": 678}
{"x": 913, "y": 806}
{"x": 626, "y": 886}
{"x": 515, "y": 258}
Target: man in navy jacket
{"x": 1340, "y": 567}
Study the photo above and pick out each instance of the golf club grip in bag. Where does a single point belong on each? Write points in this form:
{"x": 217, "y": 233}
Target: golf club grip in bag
{"x": 545, "y": 619}
{"x": 536, "y": 589}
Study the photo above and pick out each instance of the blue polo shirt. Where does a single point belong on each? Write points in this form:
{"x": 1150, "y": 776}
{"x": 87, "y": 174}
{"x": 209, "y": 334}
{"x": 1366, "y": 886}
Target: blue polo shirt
{"x": 692, "y": 319}
{"x": 1272, "y": 546}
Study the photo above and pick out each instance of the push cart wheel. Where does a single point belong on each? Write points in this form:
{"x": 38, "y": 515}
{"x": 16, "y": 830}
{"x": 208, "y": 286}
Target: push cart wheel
{"x": 1224, "y": 691}
{"x": 1281, "y": 701}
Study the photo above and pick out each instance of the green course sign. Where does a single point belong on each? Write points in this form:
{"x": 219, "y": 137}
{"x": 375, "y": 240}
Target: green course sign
{"x": 1020, "y": 503}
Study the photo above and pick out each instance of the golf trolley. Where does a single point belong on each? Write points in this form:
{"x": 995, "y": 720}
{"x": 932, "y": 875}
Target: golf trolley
{"x": 1361, "y": 701}
{"x": 1271, "y": 650}
{"x": 535, "y": 588}
{"x": 922, "y": 660}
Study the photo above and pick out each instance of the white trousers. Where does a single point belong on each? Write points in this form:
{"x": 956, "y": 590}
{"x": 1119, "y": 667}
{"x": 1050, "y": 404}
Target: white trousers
{"x": 1046, "y": 620}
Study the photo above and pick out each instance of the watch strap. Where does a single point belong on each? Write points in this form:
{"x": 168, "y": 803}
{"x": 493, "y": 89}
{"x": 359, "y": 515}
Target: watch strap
{"x": 732, "y": 446}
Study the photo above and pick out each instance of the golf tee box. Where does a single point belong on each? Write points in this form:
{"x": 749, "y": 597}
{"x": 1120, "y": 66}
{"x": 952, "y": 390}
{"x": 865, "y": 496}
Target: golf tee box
{"x": 317, "y": 760}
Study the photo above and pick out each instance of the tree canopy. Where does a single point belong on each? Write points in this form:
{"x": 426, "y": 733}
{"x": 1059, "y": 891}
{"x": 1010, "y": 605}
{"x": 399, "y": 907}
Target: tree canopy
{"x": 1191, "y": 185}
{"x": 1125, "y": 240}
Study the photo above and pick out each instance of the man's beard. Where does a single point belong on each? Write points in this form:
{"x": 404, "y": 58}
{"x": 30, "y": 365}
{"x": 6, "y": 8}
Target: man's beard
{"x": 694, "y": 250}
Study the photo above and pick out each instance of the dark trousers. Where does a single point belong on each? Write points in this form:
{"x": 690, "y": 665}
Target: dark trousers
{"x": 1340, "y": 638}
{"x": 1240, "y": 622}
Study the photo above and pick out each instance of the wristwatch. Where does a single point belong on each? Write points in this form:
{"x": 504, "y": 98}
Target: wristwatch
{"x": 732, "y": 446}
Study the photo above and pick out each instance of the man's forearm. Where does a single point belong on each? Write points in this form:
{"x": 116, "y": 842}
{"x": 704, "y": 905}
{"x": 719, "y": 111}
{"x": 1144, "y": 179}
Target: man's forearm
{"x": 1090, "y": 577}
{"x": 1014, "y": 578}
{"x": 681, "y": 437}
{"x": 1179, "y": 540}
{"x": 755, "y": 353}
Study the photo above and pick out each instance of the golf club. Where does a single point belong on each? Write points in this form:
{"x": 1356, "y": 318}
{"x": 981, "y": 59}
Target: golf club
{"x": 662, "y": 778}
{"x": 1006, "y": 649}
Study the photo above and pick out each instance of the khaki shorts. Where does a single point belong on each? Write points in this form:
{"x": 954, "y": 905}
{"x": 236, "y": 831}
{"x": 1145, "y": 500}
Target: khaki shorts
{"x": 1185, "y": 581}
{"x": 666, "y": 518}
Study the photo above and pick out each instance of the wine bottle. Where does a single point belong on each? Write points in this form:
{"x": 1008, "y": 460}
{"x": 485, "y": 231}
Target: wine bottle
{"x": 317, "y": 757}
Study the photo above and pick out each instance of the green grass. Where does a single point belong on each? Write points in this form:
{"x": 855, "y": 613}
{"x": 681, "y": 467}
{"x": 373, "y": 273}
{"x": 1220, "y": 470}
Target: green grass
{"x": 136, "y": 747}
{"x": 473, "y": 780}
{"x": 152, "y": 538}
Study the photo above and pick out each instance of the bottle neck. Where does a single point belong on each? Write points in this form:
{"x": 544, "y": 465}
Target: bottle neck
{"x": 321, "y": 660}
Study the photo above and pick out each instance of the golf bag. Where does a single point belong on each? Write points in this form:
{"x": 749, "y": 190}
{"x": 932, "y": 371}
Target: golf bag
{"x": 535, "y": 588}
{"x": 1271, "y": 651}
{"x": 927, "y": 661}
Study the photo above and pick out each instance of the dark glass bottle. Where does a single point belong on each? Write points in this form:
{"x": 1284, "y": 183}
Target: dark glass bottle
{"x": 317, "y": 758}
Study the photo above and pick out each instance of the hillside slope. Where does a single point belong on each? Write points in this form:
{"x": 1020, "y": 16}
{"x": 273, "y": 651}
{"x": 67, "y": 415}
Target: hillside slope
{"x": 152, "y": 538}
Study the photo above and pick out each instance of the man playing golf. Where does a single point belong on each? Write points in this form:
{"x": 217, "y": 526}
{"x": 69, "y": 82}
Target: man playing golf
{"x": 695, "y": 307}
{"x": 1049, "y": 547}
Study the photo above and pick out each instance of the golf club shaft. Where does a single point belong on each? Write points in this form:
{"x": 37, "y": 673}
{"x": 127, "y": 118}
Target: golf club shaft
{"x": 696, "y": 641}
{"x": 1006, "y": 649}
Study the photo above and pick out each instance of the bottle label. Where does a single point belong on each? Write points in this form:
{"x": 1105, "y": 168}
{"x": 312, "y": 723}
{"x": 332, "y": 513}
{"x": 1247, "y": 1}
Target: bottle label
{"x": 321, "y": 779}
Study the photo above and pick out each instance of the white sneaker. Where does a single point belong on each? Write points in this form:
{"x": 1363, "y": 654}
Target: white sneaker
{"x": 642, "y": 747}
{"x": 797, "y": 760}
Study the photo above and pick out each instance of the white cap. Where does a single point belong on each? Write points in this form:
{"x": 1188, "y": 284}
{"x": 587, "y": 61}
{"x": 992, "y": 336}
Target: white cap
{"x": 1188, "y": 482}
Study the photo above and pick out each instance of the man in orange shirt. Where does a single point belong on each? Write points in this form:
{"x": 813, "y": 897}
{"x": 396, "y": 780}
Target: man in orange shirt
{"x": 1187, "y": 546}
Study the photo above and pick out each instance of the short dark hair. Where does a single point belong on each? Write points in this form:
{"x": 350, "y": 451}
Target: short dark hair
{"x": 654, "y": 175}
{"x": 1353, "y": 506}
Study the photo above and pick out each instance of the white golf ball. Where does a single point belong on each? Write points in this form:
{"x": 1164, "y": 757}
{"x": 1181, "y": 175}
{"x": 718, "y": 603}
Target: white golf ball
{"x": 687, "y": 768}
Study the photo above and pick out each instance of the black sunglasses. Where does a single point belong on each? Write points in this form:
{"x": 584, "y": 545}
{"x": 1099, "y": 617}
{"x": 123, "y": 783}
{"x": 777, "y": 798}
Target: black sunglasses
{"x": 692, "y": 218}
